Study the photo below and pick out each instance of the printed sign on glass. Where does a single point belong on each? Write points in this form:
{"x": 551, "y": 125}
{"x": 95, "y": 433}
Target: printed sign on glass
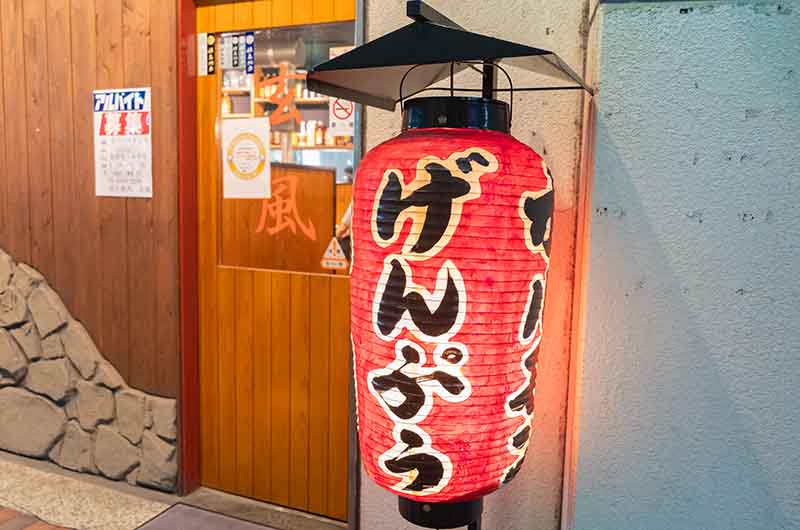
{"x": 123, "y": 153}
{"x": 234, "y": 51}
{"x": 206, "y": 54}
{"x": 341, "y": 113}
{"x": 250, "y": 52}
{"x": 245, "y": 154}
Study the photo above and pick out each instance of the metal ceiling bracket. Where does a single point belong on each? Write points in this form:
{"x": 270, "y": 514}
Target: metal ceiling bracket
{"x": 419, "y": 11}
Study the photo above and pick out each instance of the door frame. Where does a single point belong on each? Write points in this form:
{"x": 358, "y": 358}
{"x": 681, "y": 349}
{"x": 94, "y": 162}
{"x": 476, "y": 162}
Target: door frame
{"x": 189, "y": 393}
{"x": 189, "y": 463}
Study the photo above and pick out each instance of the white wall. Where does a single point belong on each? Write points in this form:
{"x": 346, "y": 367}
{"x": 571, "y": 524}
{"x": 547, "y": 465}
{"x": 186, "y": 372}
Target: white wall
{"x": 551, "y": 125}
{"x": 691, "y": 367}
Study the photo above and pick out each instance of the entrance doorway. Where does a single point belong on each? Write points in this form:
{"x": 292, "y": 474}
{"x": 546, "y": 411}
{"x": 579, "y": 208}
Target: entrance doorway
{"x": 274, "y": 322}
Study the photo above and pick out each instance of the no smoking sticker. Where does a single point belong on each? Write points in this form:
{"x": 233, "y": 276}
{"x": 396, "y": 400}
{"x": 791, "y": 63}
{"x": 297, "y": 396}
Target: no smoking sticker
{"x": 341, "y": 117}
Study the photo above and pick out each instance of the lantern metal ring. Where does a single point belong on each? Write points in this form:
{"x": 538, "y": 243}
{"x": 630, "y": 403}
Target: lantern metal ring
{"x": 453, "y": 89}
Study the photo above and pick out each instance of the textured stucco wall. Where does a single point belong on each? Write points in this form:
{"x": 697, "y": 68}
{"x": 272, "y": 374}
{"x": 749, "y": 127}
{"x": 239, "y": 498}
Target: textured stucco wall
{"x": 690, "y": 376}
{"x": 551, "y": 125}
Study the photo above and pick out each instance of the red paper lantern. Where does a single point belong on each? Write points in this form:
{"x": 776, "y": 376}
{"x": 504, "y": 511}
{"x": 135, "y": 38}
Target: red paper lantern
{"x": 451, "y": 242}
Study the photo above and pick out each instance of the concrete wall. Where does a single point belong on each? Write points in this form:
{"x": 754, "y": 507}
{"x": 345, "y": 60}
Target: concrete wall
{"x": 551, "y": 124}
{"x": 690, "y": 370}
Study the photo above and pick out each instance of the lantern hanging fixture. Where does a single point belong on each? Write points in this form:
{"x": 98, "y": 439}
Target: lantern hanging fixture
{"x": 451, "y": 246}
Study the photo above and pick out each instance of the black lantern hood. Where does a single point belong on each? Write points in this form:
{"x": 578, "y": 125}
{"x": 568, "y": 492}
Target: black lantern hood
{"x": 424, "y": 52}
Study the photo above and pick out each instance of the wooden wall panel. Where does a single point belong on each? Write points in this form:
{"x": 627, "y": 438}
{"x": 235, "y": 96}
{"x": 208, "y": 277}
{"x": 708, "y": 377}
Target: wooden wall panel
{"x": 243, "y": 13}
{"x": 113, "y": 211}
{"x": 319, "y": 385}
{"x": 262, "y": 376}
{"x": 113, "y": 261}
{"x": 38, "y": 137}
{"x": 163, "y": 78}
{"x": 299, "y": 427}
{"x": 207, "y": 160}
{"x": 339, "y": 412}
{"x": 226, "y": 300}
{"x": 281, "y": 13}
{"x": 4, "y": 182}
{"x": 344, "y": 195}
{"x": 302, "y": 11}
{"x": 324, "y": 10}
{"x": 262, "y": 13}
{"x": 345, "y": 10}
{"x": 17, "y": 227}
{"x": 62, "y": 160}
{"x": 239, "y": 15}
{"x": 281, "y": 388}
{"x": 245, "y": 404}
{"x": 136, "y": 18}
{"x": 82, "y": 292}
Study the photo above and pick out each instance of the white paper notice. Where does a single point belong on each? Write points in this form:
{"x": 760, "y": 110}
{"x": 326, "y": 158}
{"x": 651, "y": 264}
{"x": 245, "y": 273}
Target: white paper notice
{"x": 245, "y": 154}
{"x": 123, "y": 149}
{"x": 341, "y": 113}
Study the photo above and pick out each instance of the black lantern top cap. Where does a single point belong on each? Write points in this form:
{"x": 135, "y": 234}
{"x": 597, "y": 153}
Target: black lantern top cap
{"x": 424, "y": 52}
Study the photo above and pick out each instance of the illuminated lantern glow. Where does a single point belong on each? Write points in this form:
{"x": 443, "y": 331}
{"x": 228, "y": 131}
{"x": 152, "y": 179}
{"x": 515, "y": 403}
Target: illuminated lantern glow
{"x": 451, "y": 243}
{"x": 451, "y": 233}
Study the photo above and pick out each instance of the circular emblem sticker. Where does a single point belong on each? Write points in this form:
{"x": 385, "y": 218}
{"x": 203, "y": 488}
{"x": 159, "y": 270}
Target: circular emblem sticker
{"x": 246, "y": 156}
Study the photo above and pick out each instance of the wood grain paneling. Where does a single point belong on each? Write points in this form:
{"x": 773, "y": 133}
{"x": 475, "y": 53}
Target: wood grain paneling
{"x": 210, "y": 415}
{"x": 82, "y": 291}
{"x": 344, "y": 195}
{"x": 113, "y": 211}
{"x": 17, "y": 228}
{"x": 163, "y": 79}
{"x": 136, "y": 35}
{"x": 238, "y": 15}
{"x": 37, "y": 109}
{"x": 4, "y": 182}
{"x": 274, "y": 346}
{"x": 289, "y": 231}
{"x": 113, "y": 261}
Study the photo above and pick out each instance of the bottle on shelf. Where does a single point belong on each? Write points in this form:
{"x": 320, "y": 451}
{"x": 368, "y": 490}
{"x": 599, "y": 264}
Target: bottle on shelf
{"x": 319, "y": 134}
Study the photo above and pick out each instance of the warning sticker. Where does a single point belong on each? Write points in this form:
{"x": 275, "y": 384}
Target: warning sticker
{"x": 334, "y": 257}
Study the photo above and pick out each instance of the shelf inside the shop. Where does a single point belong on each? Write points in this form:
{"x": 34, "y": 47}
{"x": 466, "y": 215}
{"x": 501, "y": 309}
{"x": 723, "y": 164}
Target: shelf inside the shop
{"x": 316, "y": 147}
{"x": 238, "y": 115}
{"x": 311, "y": 102}
{"x": 235, "y": 90}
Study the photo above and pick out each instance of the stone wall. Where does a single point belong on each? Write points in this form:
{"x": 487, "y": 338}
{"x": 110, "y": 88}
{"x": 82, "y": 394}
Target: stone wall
{"x": 61, "y": 400}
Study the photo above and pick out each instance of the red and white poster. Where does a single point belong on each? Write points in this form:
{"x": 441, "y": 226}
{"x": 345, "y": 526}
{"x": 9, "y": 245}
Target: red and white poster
{"x": 123, "y": 150}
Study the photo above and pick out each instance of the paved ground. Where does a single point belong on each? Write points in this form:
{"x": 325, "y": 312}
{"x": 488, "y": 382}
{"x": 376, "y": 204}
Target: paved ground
{"x": 12, "y": 520}
{"x": 83, "y": 502}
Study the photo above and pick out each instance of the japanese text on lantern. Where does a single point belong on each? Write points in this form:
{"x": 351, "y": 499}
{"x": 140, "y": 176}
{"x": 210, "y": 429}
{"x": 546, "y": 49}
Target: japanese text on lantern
{"x": 405, "y": 389}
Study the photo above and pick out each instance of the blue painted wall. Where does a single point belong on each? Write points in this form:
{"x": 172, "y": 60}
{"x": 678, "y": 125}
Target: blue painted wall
{"x": 690, "y": 380}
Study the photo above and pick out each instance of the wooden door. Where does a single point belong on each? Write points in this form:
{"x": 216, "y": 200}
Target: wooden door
{"x": 274, "y": 346}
